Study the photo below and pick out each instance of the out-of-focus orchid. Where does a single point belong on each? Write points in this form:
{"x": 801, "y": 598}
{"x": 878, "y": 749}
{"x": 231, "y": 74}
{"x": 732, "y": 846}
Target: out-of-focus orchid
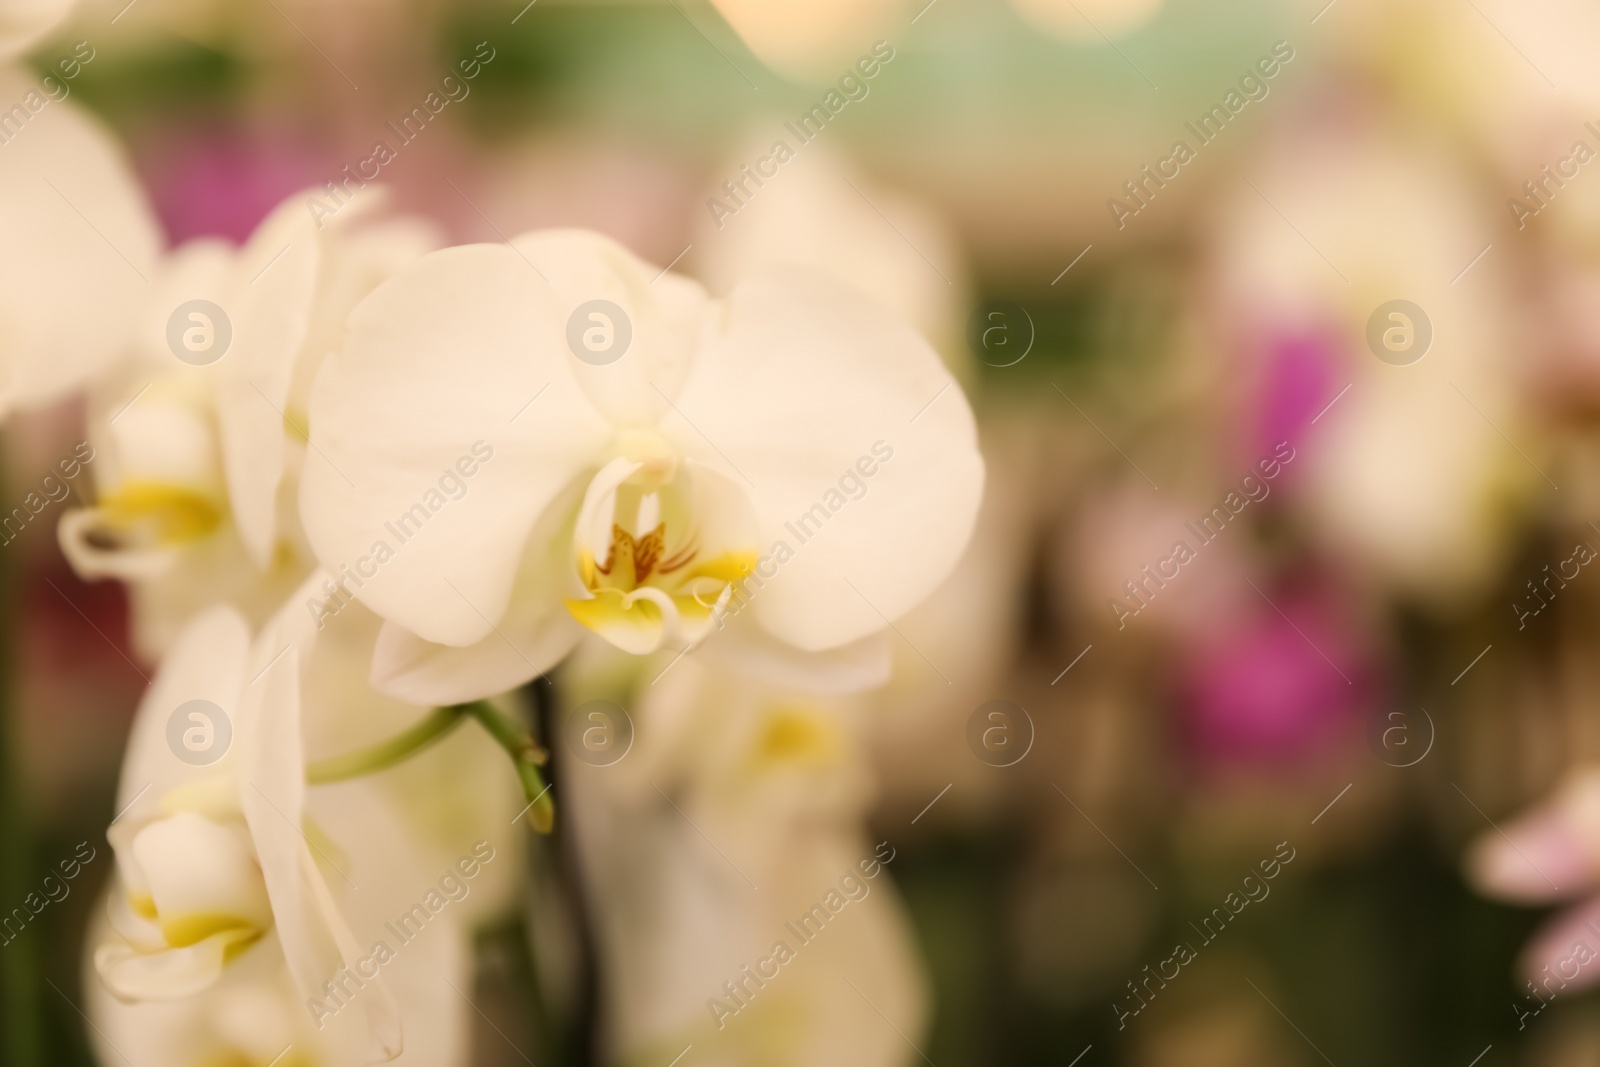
{"x": 80, "y": 244}
{"x": 249, "y": 1018}
{"x": 1547, "y": 855}
{"x": 1408, "y": 472}
{"x": 200, "y": 437}
{"x": 217, "y": 182}
{"x": 776, "y": 779}
{"x": 256, "y": 1014}
{"x": 212, "y": 856}
{"x": 1274, "y": 688}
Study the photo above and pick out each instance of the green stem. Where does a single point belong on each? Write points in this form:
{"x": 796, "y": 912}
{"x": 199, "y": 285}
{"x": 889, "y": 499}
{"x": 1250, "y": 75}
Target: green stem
{"x": 526, "y": 756}
{"x": 386, "y": 754}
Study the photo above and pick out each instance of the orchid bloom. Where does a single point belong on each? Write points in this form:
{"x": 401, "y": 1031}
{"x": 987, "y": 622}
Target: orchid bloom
{"x": 779, "y": 779}
{"x": 254, "y": 1021}
{"x": 212, "y": 857}
{"x": 255, "y": 1015}
{"x": 517, "y": 445}
{"x": 80, "y": 243}
{"x": 1409, "y": 472}
{"x": 198, "y": 439}
{"x": 1548, "y": 855}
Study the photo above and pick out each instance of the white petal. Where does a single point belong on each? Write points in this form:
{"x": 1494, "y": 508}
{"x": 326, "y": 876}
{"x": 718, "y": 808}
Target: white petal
{"x": 408, "y": 668}
{"x": 805, "y": 378}
{"x": 450, "y": 352}
{"x": 170, "y": 975}
{"x": 165, "y": 439}
{"x": 316, "y": 938}
{"x": 200, "y": 871}
{"x": 93, "y": 559}
{"x": 269, "y": 306}
{"x": 536, "y": 632}
{"x": 206, "y": 662}
{"x": 200, "y": 269}
{"x": 80, "y": 243}
{"x": 356, "y": 259}
{"x": 662, "y": 313}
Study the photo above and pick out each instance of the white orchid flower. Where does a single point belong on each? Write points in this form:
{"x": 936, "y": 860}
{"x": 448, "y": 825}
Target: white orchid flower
{"x": 1409, "y": 472}
{"x": 80, "y": 243}
{"x": 256, "y": 1015}
{"x": 777, "y": 779}
{"x": 199, "y": 438}
{"x": 249, "y": 1019}
{"x": 215, "y": 857}
{"x": 456, "y": 790}
{"x": 23, "y": 23}
{"x": 620, "y": 453}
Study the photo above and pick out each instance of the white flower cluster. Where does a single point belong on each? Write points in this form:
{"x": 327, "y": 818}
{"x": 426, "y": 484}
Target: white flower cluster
{"x": 259, "y": 417}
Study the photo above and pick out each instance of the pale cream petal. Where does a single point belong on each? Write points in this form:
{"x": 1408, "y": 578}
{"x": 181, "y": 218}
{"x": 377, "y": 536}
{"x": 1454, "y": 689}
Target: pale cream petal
{"x": 80, "y": 246}
{"x": 660, "y": 317}
{"x": 857, "y": 450}
{"x": 202, "y": 877}
{"x": 172, "y": 974}
{"x": 269, "y": 305}
{"x": 316, "y": 938}
{"x": 205, "y": 663}
{"x": 461, "y": 350}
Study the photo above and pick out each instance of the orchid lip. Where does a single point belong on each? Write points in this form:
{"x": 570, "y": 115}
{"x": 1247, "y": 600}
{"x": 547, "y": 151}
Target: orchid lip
{"x": 656, "y": 558}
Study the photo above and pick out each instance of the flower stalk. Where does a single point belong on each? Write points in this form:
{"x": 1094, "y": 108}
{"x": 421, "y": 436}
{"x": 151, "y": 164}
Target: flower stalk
{"x": 526, "y": 755}
{"x": 386, "y": 754}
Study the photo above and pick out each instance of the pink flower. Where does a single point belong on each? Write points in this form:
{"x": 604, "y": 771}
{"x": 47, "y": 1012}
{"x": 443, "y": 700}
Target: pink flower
{"x": 1265, "y": 687}
{"x": 211, "y": 181}
{"x": 1297, "y": 382}
{"x": 1551, "y": 854}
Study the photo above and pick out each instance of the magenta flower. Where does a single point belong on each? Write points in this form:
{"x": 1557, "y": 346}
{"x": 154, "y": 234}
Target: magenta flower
{"x": 1265, "y": 687}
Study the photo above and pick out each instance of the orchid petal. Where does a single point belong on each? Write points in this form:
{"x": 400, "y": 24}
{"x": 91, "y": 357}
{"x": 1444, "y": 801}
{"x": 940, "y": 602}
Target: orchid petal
{"x": 270, "y": 310}
{"x": 464, "y": 346}
{"x": 80, "y": 247}
{"x": 806, "y": 379}
{"x": 662, "y": 313}
{"x": 206, "y": 662}
{"x": 172, "y": 974}
{"x": 316, "y": 939}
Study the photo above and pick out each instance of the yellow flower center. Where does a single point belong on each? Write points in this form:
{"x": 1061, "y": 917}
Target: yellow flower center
{"x": 159, "y": 512}
{"x": 656, "y": 578}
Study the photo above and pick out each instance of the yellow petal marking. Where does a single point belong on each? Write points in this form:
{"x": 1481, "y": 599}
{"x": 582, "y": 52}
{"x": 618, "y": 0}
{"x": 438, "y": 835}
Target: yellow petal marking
{"x": 174, "y": 513}
{"x": 799, "y": 737}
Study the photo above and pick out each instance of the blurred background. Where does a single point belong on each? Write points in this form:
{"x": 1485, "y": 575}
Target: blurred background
{"x": 1309, "y": 289}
